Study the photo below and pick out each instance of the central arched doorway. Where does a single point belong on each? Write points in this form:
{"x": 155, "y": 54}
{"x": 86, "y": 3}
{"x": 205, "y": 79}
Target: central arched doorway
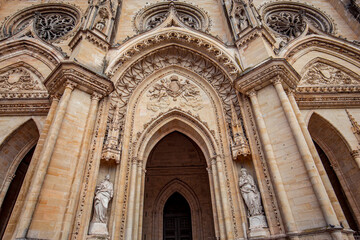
{"x": 177, "y": 218}
{"x": 176, "y": 174}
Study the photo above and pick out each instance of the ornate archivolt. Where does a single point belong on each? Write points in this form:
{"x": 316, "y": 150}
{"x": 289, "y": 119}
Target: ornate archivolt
{"x": 122, "y": 57}
{"x": 144, "y": 125}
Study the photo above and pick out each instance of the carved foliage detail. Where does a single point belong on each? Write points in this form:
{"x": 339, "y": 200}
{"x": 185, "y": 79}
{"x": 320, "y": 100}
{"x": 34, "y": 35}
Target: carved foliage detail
{"x": 18, "y": 79}
{"x": 172, "y": 56}
{"x": 174, "y": 89}
{"x": 324, "y": 74}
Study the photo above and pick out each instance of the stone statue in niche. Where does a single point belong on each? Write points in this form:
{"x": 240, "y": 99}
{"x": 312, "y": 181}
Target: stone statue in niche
{"x": 250, "y": 193}
{"x": 101, "y": 23}
{"x": 252, "y": 199}
{"x": 242, "y": 21}
{"x": 103, "y": 194}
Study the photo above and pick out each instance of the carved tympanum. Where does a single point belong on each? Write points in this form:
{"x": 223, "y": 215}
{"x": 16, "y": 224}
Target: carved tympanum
{"x": 173, "y": 89}
{"x": 324, "y": 74}
{"x": 18, "y": 79}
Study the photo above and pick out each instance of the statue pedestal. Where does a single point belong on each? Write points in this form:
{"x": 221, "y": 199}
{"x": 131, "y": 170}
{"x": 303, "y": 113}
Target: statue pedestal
{"x": 98, "y": 229}
{"x": 258, "y": 226}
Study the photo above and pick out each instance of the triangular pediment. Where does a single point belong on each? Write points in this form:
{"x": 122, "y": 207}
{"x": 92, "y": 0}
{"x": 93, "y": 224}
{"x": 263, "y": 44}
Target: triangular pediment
{"x": 324, "y": 74}
{"x": 21, "y": 79}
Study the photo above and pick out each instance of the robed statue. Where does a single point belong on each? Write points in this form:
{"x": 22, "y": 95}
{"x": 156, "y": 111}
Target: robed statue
{"x": 250, "y": 193}
{"x": 103, "y": 194}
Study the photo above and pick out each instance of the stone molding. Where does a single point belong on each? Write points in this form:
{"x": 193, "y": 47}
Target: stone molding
{"x": 91, "y": 37}
{"x": 84, "y": 79}
{"x": 253, "y": 34}
{"x": 266, "y": 72}
{"x": 174, "y": 35}
{"x": 25, "y": 107}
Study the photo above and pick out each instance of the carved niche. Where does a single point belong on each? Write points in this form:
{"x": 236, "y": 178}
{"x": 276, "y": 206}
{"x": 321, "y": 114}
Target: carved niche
{"x": 321, "y": 73}
{"x": 51, "y": 21}
{"x": 176, "y": 90}
{"x": 239, "y": 16}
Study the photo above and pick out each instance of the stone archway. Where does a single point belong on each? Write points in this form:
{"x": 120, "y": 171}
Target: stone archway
{"x": 341, "y": 168}
{"x": 177, "y": 164}
{"x": 15, "y": 155}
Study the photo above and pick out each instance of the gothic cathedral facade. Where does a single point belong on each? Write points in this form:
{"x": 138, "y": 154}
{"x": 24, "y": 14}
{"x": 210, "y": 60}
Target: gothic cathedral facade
{"x": 179, "y": 120}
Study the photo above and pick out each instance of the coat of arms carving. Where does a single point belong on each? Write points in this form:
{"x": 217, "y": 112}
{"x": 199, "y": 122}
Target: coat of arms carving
{"x": 174, "y": 89}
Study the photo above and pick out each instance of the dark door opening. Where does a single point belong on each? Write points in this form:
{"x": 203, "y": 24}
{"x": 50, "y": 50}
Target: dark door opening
{"x": 337, "y": 189}
{"x": 13, "y": 191}
{"x": 177, "y": 218}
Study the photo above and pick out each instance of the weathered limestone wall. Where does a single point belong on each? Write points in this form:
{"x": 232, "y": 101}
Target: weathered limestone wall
{"x": 47, "y": 220}
{"x": 304, "y": 205}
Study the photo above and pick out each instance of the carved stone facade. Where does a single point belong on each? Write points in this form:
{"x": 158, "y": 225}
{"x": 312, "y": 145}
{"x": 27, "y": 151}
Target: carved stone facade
{"x": 226, "y": 119}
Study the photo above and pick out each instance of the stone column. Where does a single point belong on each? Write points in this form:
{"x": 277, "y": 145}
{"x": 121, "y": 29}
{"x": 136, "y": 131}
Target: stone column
{"x": 137, "y": 199}
{"x": 356, "y": 155}
{"x": 222, "y": 184}
{"x": 213, "y": 202}
{"x": 309, "y": 163}
{"x": 131, "y": 201}
{"x": 79, "y": 170}
{"x": 318, "y": 162}
{"x": 275, "y": 173}
{"x": 49, "y": 118}
{"x": 141, "y": 212}
{"x": 44, "y": 160}
{"x": 218, "y": 201}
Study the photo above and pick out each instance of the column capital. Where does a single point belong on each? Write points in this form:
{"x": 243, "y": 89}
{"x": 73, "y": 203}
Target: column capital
{"x": 70, "y": 84}
{"x": 265, "y": 74}
{"x": 85, "y": 79}
{"x": 96, "y": 96}
{"x": 251, "y": 93}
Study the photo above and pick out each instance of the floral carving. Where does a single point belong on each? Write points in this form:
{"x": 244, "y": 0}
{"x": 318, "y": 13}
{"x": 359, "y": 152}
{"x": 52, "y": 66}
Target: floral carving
{"x": 189, "y": 20}
{"x": 287, "y": 23}
{"x": 173, "y": 56}
{"x": 173, "y": 89}
{"x": 18, "y": 79}
{"x": 52, "y": 26}
{"x": 324, "y": 74}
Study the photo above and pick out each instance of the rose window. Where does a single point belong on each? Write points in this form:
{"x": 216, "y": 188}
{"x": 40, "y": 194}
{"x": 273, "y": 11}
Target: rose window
{"x": 287, "y": 23}
{"x": 53, "y": 26}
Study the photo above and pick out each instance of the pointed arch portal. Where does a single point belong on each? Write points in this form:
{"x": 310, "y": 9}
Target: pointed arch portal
{"x": 176, "y": 174}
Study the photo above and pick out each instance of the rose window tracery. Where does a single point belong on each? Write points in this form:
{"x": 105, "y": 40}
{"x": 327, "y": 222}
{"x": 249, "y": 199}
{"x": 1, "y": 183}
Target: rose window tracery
{"x": 155, "y": 14}
{"x": 52, "y": 26}
{"x": 51, "y": 21}
{"x": 290, "y": 20}
{"x": 287, "y": 23}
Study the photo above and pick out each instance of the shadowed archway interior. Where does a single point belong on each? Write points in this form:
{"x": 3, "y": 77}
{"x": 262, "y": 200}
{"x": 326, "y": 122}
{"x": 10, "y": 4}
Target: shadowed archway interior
{"x": 177, "y": 218}
{"x": 177, "y": 159}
